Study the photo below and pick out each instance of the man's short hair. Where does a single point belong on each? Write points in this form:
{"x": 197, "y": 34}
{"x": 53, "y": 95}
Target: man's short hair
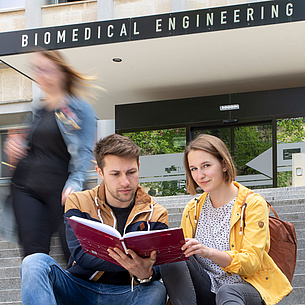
{"x": 116, "y": 145}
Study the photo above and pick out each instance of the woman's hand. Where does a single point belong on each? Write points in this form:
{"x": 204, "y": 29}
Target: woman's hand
{"x": 16, "y": 147}
{"x": 193, "y": 246}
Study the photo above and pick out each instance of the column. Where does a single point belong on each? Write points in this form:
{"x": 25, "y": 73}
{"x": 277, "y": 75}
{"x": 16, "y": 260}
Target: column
{"x": 33, "y": 19}
{"x": 105, "y": 9}
{"x": 179, "y": 5}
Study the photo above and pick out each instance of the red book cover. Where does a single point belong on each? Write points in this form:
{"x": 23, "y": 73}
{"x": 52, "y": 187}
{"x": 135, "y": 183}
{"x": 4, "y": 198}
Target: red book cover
{"x": 95, "y": 238}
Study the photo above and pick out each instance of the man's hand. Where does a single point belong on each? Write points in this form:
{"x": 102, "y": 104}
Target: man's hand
{"x": 136, "y": 265}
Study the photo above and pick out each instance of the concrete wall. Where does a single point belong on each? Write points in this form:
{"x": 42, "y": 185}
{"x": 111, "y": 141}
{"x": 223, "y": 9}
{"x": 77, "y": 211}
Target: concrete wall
{"x": 69, "y": 13}
{"x": 12, "y": 20}
{"x": 14, "y": 86}
{"x": 132, "y": 8}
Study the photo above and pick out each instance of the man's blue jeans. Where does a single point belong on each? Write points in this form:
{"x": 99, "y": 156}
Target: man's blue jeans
{"x": 45, "y": 282}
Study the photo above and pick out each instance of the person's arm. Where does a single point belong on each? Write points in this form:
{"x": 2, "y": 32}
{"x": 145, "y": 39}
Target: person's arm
{"x": 193, "y": 246}
{"x": 85, "y": 137}
{"x": 248, "y": 259}
{"x": 141, "y": 268}
{"x": 84, "y": 260}
{"x": 16, "y": 147}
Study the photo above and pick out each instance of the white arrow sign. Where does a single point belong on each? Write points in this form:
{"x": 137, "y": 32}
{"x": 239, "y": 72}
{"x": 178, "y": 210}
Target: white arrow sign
{"x": 263, "y": 162}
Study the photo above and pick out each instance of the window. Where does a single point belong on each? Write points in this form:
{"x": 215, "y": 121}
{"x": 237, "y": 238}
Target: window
{"x": 11, "y": 3}
{"x": 63, "y": 1}
{"x": 161, "y": 163}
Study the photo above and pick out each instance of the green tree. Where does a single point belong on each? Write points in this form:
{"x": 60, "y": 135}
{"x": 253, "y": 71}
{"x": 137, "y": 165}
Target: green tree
{"x": 156, "y": 142}
{"x": 249, "y": 142}
{"x": 289, "y": 131}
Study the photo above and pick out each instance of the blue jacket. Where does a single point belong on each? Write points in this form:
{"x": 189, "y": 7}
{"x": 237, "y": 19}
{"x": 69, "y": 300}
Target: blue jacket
{"x": 77, "y": 124}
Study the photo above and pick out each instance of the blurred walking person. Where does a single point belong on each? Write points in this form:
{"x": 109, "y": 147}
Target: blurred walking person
{"x": 53, "y": 154}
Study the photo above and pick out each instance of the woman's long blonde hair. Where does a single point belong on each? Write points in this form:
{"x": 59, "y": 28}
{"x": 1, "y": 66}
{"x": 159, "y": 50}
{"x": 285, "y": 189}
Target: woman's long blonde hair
{"x": 76, "y": 82}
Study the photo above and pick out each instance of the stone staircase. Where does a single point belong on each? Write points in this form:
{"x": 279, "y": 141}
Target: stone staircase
{"x": 289, "y": 203}
{"x": 10, "y": 262}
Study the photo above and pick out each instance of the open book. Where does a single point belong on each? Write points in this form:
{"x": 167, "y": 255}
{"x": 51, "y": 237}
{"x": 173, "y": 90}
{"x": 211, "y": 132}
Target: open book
{"x": 95, "y": 238}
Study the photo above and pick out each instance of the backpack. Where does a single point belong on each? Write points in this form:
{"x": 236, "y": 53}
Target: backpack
{"x": 283, "y": 242}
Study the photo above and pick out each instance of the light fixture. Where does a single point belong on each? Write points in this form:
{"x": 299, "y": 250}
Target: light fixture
{"x": 117, "y": 59}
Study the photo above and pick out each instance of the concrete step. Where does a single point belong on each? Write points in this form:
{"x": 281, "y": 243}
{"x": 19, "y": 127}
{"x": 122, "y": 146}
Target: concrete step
{"x": 294, "y": 298}
{"x": 301, "y": 255}
{"x": 7, "y": 245}
{"x": 298, "y": 280}
{"x": 10, "y": 295}
{"x": 9, "y": 253}
{"x": 10, "y": 262}
{"x": 9, "y": 272}
{"x": 301, "y": 239}
{"x": 12, "y": 283}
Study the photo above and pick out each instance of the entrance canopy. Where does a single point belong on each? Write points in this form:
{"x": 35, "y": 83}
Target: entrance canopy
{"x": 241, "y": 48}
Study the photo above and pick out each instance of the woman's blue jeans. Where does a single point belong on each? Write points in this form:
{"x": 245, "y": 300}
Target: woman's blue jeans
{"x": 45, "y": 282}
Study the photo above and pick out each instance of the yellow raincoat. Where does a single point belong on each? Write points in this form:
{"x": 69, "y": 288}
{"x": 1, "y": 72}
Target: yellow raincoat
{"x": 249, "y": 244}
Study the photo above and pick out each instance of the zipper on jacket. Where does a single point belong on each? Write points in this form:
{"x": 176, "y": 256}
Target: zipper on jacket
{"x": 148, "y": 221}
{"x": 193, "y": 230}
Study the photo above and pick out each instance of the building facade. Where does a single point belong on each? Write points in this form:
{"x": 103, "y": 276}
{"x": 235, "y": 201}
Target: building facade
{"x": 231, "y": 68}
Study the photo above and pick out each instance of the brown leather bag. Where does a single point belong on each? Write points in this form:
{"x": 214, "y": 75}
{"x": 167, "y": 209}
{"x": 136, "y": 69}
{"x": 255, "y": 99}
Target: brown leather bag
{"x": 283, "y": 242}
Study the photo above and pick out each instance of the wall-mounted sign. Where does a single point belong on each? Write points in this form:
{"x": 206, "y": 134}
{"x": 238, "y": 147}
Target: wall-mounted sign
{"x": 263, "y": 162}
{"x": 229, "y": 107}
{"x": 129, "y": 29}
{"x": 164, "y": 167}
{"x": 287, "y": 153}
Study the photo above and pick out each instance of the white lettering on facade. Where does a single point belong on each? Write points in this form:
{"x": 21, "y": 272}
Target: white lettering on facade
{"x": 223, "y": 17}
{"x": 75, "y": 35}
{"x": 47, "y": 38}
{"x": 87, "y": 34}
{"x": 135, "y": 32}
{"x": 24, "y": 40}
{"x": 172, "y": 24}
{"x": 109, "y": 31}
{"x": 123, "y": 30}
{"x": 158, "y": 25}
{"x": 250, "y": 12}
{"x": 236, "y": 16}
{"x": 210, "y": 19}
{"x": 275, "y": 11}
{"x": 61, "y": 36}
{"x": 289, "y": 9}
{"x": 197, "y": 21}
{"x": 204, "y": 20}
{"x": 186, "y": 22}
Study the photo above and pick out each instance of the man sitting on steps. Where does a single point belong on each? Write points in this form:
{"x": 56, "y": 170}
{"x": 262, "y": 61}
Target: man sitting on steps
{"x": 120, "y": 202}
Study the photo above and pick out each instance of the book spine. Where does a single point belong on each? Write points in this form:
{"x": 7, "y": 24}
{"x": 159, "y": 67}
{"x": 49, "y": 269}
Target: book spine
{"x": 124, "y": 246}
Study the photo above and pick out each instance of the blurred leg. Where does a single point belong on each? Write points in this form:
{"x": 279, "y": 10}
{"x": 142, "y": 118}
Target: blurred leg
{"x": 34, "y": 227}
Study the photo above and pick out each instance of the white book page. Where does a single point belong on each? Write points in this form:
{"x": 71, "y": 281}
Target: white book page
{"x": 137, "y": 233}
{"x": 98, "y": 225}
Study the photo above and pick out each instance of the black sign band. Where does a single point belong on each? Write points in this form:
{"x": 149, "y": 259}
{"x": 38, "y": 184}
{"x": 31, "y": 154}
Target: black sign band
{"x": 163, "y": 25}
